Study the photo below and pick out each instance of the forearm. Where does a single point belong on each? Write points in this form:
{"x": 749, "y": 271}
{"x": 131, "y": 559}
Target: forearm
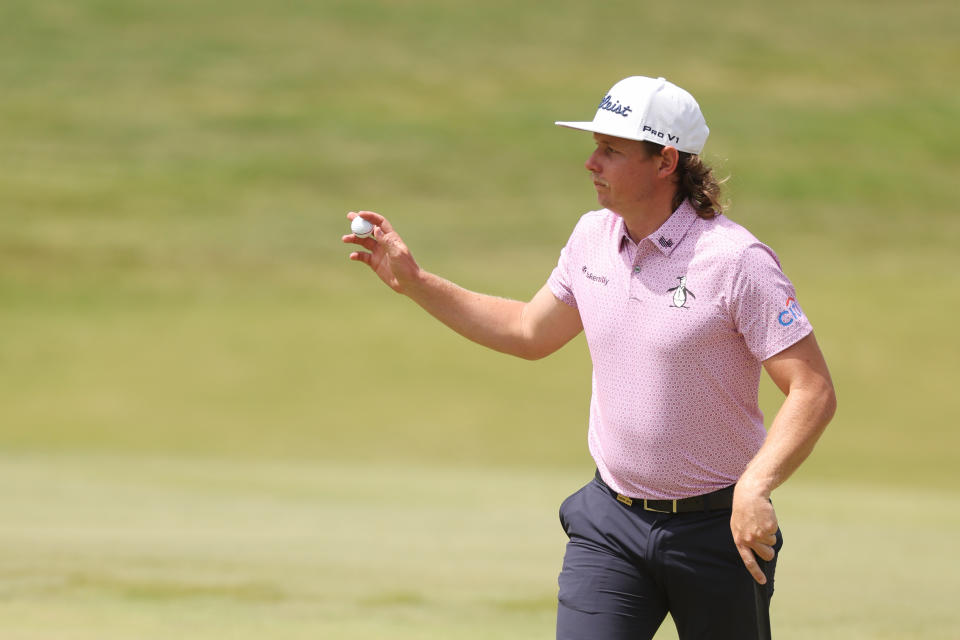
{"x": 801, "y": 420}
{"x": 490, "y": 321}
{"x": 526, "y": 329}
{"x": 801, "y": 373}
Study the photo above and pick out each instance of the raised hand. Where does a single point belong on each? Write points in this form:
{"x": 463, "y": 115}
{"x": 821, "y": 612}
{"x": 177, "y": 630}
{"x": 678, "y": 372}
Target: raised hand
{"x": 386, "y": 253}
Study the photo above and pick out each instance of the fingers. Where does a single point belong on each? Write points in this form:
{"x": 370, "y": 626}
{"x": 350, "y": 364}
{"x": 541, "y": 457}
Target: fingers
{"x": 768, "y": 541}
{"x": 361, "y": 256}
{"x": 378, "y": 234}
{"x": 764, "y": 550}
{"x": 753, "y": 524}
{"x": 385, "y": 253}
{"x": 373, "y": 218}
{"x": 381, "y": 228}
{"x": 391, "y": 243}
{"x": 750, "y": 562}
{"x": 368, "y": 243}
{"x": 761, "y": 546}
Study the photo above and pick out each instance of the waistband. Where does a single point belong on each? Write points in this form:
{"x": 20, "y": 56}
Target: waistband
{"x": 715, "y": 500}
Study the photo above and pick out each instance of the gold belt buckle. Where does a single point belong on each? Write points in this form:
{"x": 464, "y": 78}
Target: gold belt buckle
{"x": 648, "y": 508}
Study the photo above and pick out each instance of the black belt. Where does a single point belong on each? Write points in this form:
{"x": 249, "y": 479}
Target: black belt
{"x": 719, "y": 499}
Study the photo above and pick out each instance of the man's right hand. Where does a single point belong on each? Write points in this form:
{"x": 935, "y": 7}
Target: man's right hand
{"x": 386, "y": 253}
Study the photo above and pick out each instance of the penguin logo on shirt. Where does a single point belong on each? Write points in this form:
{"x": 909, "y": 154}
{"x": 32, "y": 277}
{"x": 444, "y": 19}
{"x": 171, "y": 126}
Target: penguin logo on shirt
{"x": 680, "y": 293}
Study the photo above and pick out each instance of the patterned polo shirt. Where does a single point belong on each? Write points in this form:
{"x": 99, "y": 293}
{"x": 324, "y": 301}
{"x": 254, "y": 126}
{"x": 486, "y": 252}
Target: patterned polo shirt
{"x": 678, "y": 325}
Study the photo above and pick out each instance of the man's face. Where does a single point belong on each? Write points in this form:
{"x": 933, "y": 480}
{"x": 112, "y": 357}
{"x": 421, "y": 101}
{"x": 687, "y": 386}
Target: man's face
{"x": 624, "y": 175}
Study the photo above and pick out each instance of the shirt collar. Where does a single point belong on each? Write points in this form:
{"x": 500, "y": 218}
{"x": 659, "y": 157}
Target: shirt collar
{"x": 670, "y": 233}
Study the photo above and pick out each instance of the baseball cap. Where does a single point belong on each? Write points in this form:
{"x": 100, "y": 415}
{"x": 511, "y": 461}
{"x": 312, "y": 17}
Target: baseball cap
{"x": 641, "y": 108}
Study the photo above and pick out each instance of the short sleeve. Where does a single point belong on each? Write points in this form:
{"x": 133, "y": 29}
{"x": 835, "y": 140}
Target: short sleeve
{"x": 764, "y": 304}
{"x": 560, "y": 282}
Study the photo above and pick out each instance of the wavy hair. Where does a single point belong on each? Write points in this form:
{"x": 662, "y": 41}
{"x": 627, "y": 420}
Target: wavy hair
{"x": 695, "y": 182}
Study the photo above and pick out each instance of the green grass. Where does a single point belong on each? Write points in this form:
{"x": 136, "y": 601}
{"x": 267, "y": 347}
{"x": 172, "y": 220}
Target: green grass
{"x": 201, "y": 397}
{"x": 99, "y": 546}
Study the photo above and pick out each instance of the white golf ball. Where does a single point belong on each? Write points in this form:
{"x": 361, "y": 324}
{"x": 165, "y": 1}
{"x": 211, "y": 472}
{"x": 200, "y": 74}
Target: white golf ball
{"x": 361, "y": 228}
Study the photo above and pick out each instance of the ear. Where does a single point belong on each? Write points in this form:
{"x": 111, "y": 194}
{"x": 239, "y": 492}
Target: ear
{"x": 669, "y": 159}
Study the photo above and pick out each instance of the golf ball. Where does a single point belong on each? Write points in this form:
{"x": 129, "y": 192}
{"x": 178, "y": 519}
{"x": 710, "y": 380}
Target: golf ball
{"x": 361, "y": 228}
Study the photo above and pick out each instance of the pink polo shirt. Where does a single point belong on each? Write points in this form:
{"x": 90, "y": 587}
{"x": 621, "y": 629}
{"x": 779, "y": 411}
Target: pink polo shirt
{"x": 678, "y": 326}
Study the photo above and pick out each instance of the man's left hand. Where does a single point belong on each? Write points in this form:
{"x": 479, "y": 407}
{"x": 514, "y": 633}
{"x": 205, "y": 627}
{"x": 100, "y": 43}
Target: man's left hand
{"x": 754, "y": 526}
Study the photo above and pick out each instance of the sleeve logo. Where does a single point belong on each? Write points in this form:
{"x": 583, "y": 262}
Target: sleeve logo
{"x": 791, "y": 313}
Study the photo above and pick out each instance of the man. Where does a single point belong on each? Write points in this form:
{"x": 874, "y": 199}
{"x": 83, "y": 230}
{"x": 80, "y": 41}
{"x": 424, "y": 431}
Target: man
{"x": 681, "y": 308}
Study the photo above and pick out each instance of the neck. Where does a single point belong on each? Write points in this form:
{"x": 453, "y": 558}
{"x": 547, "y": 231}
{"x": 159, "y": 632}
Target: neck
{"x": 643, "y": 221}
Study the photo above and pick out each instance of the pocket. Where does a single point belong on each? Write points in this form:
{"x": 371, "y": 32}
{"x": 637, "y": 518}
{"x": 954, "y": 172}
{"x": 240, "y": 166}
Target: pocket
{"x": 770, "y": 568}
{"x": 568, "y": 507}
{"x": 579, "y": 580}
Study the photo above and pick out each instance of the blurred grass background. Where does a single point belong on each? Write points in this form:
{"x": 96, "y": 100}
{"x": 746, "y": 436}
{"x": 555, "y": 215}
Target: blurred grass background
{"x": 214, "y": 425}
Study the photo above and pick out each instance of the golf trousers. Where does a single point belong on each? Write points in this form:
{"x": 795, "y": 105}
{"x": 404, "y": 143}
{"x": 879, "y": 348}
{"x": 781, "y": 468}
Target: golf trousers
{"x": 626, "y": 568}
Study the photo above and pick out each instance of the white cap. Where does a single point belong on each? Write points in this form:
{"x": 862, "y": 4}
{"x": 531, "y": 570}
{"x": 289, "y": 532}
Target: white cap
{"x": 640, "y": 108}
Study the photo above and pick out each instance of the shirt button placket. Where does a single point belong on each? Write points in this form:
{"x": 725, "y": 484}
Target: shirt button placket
{"x": 635, "y": 288}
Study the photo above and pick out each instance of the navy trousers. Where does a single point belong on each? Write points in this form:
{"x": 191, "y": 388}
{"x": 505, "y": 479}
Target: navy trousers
{"x": 626, "y": 568}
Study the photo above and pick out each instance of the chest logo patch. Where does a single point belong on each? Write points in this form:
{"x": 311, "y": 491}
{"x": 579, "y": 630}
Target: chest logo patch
{"x": 680, "y": 293}
{"x": 592, "y": 276}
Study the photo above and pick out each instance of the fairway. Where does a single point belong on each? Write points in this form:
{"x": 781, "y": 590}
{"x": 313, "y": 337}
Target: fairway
{"x": 107, "y": 547}
{"x": 214, "y": 425}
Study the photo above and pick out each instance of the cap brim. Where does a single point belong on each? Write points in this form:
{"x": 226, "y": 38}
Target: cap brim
{"x": 594, "y": 128}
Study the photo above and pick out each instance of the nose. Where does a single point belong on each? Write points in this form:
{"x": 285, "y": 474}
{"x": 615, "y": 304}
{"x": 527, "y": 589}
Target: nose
{"x": 591, "y": 164}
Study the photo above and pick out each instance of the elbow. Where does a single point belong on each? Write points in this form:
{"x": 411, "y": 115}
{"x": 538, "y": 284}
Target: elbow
{"x": 827, "y": 397}
{"x": 532, "y": 353}
{"x": 832, "y": 404}
{"x": 530, "y": 349}
{"x": 818, "y": 401}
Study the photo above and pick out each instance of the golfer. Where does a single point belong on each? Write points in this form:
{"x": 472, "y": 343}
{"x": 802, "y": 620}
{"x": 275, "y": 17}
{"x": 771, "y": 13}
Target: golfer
{"x": 681, "y": 308}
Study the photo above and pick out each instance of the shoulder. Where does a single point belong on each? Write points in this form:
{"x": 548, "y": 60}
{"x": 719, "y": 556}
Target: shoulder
{"x": 594, "y": 226}
{"x": 602, "y": 219}
{"x": 731, "y": 243}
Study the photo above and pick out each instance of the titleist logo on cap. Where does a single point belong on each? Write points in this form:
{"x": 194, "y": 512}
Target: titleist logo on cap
{"x": 607, "y": 104}
{"x": 650, "y": 109}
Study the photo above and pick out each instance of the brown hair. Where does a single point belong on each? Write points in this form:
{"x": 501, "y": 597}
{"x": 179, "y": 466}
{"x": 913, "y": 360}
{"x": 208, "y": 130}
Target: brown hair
{"x": 695, "y": 182}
